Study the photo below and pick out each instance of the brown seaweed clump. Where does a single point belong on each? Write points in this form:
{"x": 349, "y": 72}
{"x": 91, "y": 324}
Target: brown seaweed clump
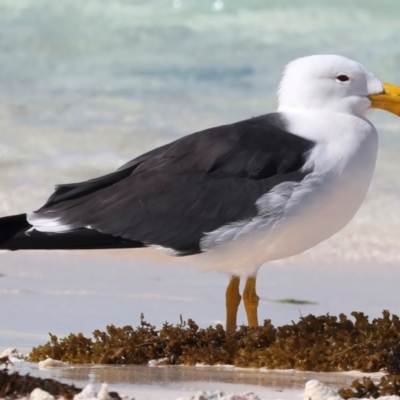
{"x": 13, "y": 385}
{"x": 323, "y": 343}
{"x": 389, "y": 385}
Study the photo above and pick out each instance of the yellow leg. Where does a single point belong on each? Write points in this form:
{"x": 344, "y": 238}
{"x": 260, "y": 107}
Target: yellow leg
{"x": 233, "y": 298}
{"x": 250, "y": 300}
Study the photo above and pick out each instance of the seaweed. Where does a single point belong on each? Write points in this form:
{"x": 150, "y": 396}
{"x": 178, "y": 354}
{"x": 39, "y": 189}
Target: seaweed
{"x": 294, "y": 301}
{"x": 389, "y": 385}
{"x": 15, "y": 385}
{"x": 314, "y": 343}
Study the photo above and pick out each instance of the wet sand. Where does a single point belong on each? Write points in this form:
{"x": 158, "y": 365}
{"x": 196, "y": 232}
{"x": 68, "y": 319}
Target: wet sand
{"x": 63, "y": 292}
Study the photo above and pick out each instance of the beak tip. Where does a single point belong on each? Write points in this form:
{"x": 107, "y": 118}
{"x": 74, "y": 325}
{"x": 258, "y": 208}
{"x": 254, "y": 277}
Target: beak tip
{"x": 388, "y": 100}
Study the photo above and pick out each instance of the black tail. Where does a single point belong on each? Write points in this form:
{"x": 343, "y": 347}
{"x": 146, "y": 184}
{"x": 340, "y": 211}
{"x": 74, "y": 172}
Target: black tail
{"x": 14, "y": 236}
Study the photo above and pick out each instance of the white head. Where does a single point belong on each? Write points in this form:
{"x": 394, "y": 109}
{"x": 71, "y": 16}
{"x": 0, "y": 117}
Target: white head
{"x": 327, "y": 82}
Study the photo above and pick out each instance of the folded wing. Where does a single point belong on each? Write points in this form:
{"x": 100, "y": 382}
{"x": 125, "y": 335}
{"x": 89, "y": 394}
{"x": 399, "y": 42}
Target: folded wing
{"x": 175, "y": 194}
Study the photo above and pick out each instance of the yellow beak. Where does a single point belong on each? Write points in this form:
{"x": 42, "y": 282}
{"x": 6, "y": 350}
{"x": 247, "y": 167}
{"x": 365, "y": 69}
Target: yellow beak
{"x": 388, "y": 100}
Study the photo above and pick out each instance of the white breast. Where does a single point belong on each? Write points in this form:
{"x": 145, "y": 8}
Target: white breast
{"x": 296, "y": 216}
{"x": 343, "y": 162}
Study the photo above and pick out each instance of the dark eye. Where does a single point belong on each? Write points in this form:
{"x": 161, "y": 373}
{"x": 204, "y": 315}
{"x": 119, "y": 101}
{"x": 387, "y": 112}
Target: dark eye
{"x": 342, "y": 78}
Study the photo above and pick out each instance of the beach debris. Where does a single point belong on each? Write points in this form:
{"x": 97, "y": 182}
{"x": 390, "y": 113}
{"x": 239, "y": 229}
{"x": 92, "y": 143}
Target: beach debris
{"x": 316, "y": 390}
{"x": 314, "y": 343}
{"x": 13, "y": 385}
{"x": 103, "y": 393}
{"x": 39, "y": 394}
{"x": 158, "y": 362}
{"x": 49, "y": 363}
{"x": 389, "y": 385}
{"x": 13, "y": 353}
{"x": 5, "y": 362}
{"x": 89, "y": 393}
{"x": 218, "y": 395}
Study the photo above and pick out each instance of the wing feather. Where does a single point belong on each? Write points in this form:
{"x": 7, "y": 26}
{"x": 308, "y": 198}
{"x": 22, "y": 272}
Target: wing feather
{"x": 175, "y": 194}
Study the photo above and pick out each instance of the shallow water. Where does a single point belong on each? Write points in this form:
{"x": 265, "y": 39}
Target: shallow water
{"x": 173, "y": 381}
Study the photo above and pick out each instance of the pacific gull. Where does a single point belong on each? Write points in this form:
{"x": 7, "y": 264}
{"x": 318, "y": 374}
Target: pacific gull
{"x": 233, "y": 197}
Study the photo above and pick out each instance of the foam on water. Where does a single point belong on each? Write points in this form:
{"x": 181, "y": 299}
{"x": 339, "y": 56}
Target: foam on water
{"x": 85, "y": 86}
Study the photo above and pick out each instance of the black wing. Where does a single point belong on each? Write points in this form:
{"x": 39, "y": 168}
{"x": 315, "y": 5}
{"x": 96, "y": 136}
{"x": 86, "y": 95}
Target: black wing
{"x": 174, "y": 194}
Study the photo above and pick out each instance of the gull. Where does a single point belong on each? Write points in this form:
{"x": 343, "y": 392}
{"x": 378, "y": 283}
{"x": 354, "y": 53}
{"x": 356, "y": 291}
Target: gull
{"x": 233, "y": 197}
